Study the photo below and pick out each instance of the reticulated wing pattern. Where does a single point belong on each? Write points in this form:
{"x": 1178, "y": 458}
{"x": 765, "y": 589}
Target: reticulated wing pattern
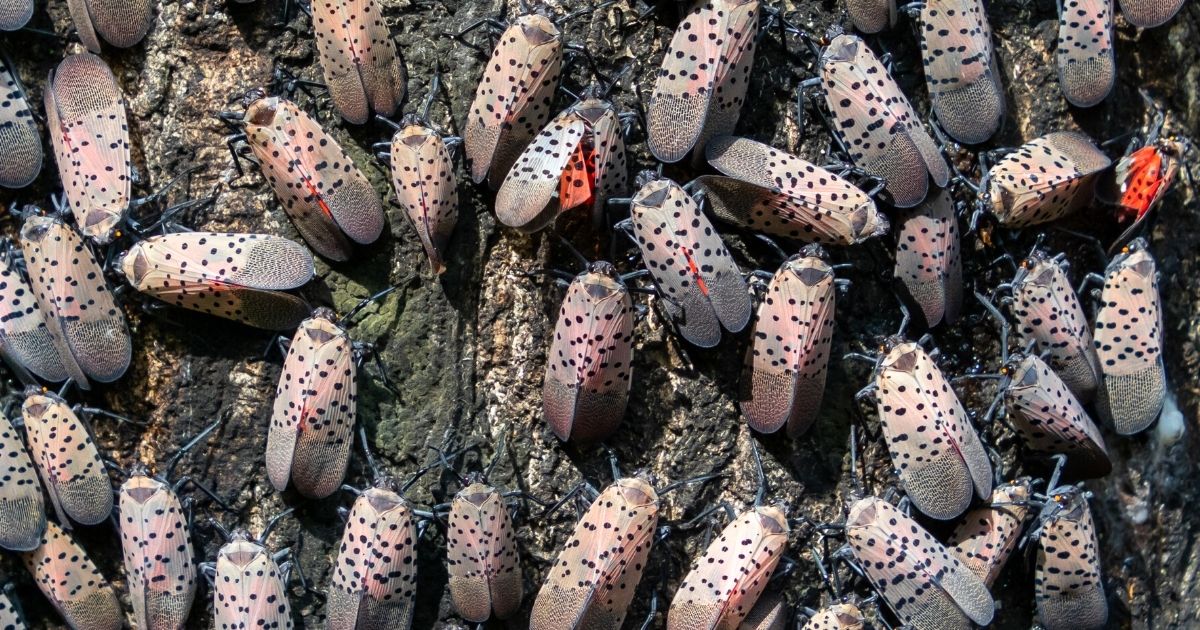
{"x": 928, "y": 258}
{"x": 85, "y": 117}
{"x": 69, "y": 579}
{"x": 14, "y": 14}
{"x": 23, "y": 332}
{"x": 1051, "y": 420}
{"x": 1087, "y": 64}
{"x": 1129, "y": 342}
{"x": 22, "y": 511}
{"x": 358, "y": 58}
{"x": 1149, "y": 13}
{"x": 1045, "y": 179}
{"x": 20, "y": 142}
{"x": 914, "y": 573}
{"x": 527, "y": 198}
{"x": 157, "y": 550}
{"x": 1049, "y": 314}
{"x": 66, "y": 456}
{"x": 481, "y": 556}
{"x": 425, "y": 184}
{"x": 987, "y": 535}
{"x": 871, "y": 16}
{"x": 611, "y": 176}
{"x": 956, "y": 50}
{"x": 1067, "y": 587}
{"x": 374, "y": 577}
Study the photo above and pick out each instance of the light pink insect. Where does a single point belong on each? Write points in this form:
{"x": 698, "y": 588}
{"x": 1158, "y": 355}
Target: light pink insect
{"x": 67, "y": 459}
{"x": 928, "y": 258}
{"x": 481, "y": 555}
{"x": 20, "y": 141}
{"x": 24, "y": 337}
{"x": 1044, "y": 179}
{"x": 248, "y": 587}
{"x": 22, "y": 511}
{"x": 1087, "y": 62}
{"x": 157, "y": 549}
{"x": 68, "y": 578}
{"x": 425, "y": 184}
{"x": 358, "y": 57}
{"x": 986, "y": 536}
{"x": 961, "y": 73}
{"x": 1067, "y": 586}
{"x": 235, "y": 276}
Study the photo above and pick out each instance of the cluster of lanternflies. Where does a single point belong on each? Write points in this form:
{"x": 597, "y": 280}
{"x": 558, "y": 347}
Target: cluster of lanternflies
{"x": 59, "y": 320}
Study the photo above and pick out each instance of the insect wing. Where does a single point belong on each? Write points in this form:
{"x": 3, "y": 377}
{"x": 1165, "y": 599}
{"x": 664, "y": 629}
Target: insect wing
{"x": 702, "y": 82}
{"x": 481, "y": 556}
{"x": 374, "y": 577}
{"x": 956, "y": 49}
{"x": 1066, "y": 581}
{"x": 248, "y": 591}
{"x": 1045, "y": 179}
{"x": 1149, "y": 13}
{"x": 702, "y": 285}
{"x": 590, "y": 363}
{"x": 804, "y": 201}
{"x": 1051, "y": 421}
{"x": 526, "y": 198}
{"x": 315, "y": 405}
{"x": 724, "y": 583}
{"x": 784, "y": 376}
{"x": 594, "y": 578}
{"x": 1087, "y": 63}
{"x": 85, "y": 117}
{"x": 1048, "y": 313}
{"x": 324, "y": 193}
{"x": 10, "y": 613}
{"x": 423, "y": 177}
{"x": 836, "y": 617}
{"x": 513, "y": 98}
{"x": 157, "y": 549}
{"x": 871, "y": 16}
{"x": 986, "y": 536}
{"x": 69, "y": 579}
{"x": 358, "y": 58}
{"x": 121, "y": 23}
{"x": 235, "y": 276}
{"x": 928, "y": 260}
{"x": 24, "y": 336}
{"x": 939, "y": 457}
{"x": 877, "y": 123}
{"x": 609, "y": 171}
{"x": 67, "y": 458}
{"x": 918, "y": 577}
{"x": 13, "y": 15}
{"x": 20, "y": 142}
{"x": 22, "y": 512}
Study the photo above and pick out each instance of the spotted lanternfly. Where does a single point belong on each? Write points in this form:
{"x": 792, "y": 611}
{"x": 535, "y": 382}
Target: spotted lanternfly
{"x": 67, "y": 458}
{"x": 425, "y": 184}
{"x": 703, "y": 79}
{"x": 844, "y": 616}
{"x": 928, "y": 259}
{"x": 248, "y": 586}
{"x": 1149, "y": 13}
{"x": 872, "y": 16}
{"x": 356, "y": 51}
{"x": 919, "y": 578}
{"x": 88, "y": 329}
{"x": 701, "y": 285}
{"x": 577, "y": 160}
{"x": 877, "y": 124}
{"x": 1048, "y": 314}
{"x": 22, "y": 512}
{"x": 784, "y": 376}
{"x": 1050, "y": 419}
{"x": 312, "y": 426}
{"x": 120, "y": 24}
{"x": 591, "y": 358}
{"x": 770, "y": 191}
{"x": 236, "y": 276}
{"x": 1129, "y": 342}
{"x": 24, "y": 337}
{"x": 15, "y": 14}
{"x": 1143, "y": 177}
{"x": 157, "y": 549}
{"x": 1067, "y": 586}
{"x": 514, "y": 96}
{"x": 85, "y": 117}
{"x": 69, "y": 579}
{"x": 481, "y": 555}
{"x": 960, "y": 69}
{"x": 595, "y": 575}
{"x": 1087, "y": 62}
{"x": 327, "y": 198}
{"x": 770, "y": 613}
{"x": 20, "y": 142}
{"x": 986, "y": 536}
{"x": 726, "y": 581}
{"x": 1045, "y": 179}
{"x": 933, "y": 445}
{"x": 375, "y": 575}
{"x": 10, "y": 612}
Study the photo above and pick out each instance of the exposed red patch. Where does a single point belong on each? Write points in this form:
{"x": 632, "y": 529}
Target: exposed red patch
{"x": 577, "y": 186}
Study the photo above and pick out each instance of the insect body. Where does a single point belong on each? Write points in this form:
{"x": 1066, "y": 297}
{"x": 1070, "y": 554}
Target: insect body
{"x": 248, "y": 586}
{"x": 69, "y": 579}
{"x": 1087, "y": 63}
{"x": 986, "y": 536}
{"x": 703, "y": 79}
{"x": 481, "y": 555}
{"x": 20, "y": 142}
{"x": 25, "y": 338}
{"x": 770, "y": 191}
{"x": 22, "y": 512}
{"x": 327, "y": 198}
{"x": 358, "y": 57}
{"x": 1045, "y": 179}
{"x": 158, "y": 554}
{"x": 67, "y": 458}
{"x": 928, "y": 258}
{"x": 836, "y": 617}
{"x": 425, "y": 184}
{"x": 121, "y": 24}
{"x": 1067, "y": 586}
{"x": 1144, "y": 176}
{"x": 235, "y": 276}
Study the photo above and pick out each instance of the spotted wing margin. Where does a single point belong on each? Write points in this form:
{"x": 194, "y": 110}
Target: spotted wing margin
{"x": 14, "y": 14}
{"x": 1129, "y": 322}
{"x": 309, "y": 438}
{"x": 157, "y": 551}
{"x": 957, "y": 44}
{"x": 253, "y": 594}
{"x": 526, "y": 200}
{"x": 24, "y": 335}
{"x": 358, "y": 58}
{"x": 21, "y": 158}
{"x": 927, "y": 258}
{"x": 790, "y": 351}
{"x": 940, "y": 460}
{"x": 1087, "y": 67}
{"x": 726, "y": 581}
{"x": 612, "y": 177}
{"x": 522, "y": 72}
{"x": 703, "y": 75}
{"x": 79, "y": 308}
{"x": 85, "y": 117}
{"x": 69, "y": 579}
{"x": 833, "y": 209}
{"x": 423, "y": 177}
{"x": 920, "y": 579}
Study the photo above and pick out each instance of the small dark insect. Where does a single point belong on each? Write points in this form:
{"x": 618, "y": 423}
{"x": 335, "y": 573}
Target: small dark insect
{"x": 361, "y": 68}
{"x": 120, "y": 24}
{"x": 1087, "y": 61}
{"x": 69, "y": 579}
{"x": 20, "y": 142}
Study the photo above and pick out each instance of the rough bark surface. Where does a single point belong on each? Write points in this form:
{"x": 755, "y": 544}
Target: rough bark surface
{"x": 465, "y": 353}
